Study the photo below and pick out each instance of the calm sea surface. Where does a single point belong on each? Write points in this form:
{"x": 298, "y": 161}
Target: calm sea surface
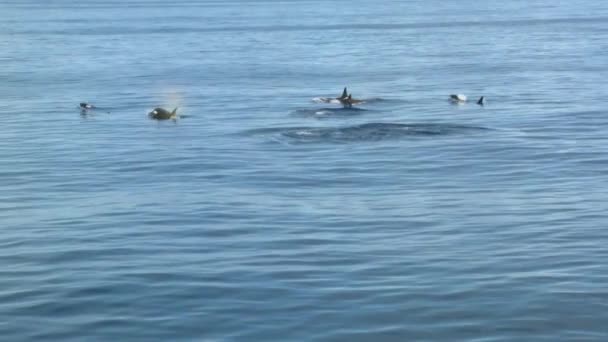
{"x": 263, "y": 215}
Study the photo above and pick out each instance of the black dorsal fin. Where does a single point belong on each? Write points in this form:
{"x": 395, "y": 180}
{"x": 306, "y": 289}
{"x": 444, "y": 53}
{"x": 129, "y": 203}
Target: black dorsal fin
{"x": 344, "y": 93}
{"x": 481, "y": 101}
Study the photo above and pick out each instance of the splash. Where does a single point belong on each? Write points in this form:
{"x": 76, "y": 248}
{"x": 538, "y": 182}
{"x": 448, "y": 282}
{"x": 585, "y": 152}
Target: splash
{"x": 173, "y": 98}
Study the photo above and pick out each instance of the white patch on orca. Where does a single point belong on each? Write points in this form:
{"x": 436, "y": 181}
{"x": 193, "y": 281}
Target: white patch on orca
{"x": 458, "y": 98}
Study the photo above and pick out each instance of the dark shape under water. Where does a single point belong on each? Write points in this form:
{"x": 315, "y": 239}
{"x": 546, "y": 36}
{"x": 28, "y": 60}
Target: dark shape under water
{"x": 364, "y": 132}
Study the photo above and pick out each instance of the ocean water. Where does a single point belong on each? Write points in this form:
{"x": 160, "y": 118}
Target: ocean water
{"x": 264, "y": 215}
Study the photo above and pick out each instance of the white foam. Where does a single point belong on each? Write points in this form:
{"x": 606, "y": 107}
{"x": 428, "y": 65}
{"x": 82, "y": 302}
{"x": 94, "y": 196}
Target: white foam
{"x": 304, "y": 133}
{"x": 325, "y": 100}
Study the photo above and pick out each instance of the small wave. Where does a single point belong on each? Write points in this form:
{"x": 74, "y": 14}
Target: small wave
{"x": 321, "y": 113}
{"x": 373, "y": 100}
{"x": 92, "y": 111}
{"x": 363, "y": 132}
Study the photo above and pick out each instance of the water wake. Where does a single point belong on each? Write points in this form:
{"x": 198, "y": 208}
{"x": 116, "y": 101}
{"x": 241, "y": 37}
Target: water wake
{"x": 362, "y": 132}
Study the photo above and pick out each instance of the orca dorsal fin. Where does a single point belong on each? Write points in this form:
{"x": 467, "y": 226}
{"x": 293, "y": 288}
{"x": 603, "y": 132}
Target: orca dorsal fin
{"x": 350, "y": 97}
{"x": 481, "y": 101}
{"x": 344, "y": 93}
{"x": 174, "y": 111}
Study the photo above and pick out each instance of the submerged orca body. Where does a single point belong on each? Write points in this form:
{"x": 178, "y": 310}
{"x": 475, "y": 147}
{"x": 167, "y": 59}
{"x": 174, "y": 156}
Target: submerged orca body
{"x": 163, "y": 114}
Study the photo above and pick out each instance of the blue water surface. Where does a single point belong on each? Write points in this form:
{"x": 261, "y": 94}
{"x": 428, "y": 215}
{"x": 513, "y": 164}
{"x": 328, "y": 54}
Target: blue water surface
{"x": 265, "y": 215}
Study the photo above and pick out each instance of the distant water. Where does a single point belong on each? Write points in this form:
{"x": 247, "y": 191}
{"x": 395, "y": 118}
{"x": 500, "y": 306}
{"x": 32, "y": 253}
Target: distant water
{"x": 264, "y": 215}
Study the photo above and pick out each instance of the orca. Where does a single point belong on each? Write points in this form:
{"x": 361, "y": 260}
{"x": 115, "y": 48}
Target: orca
{"x": 85, "y": 106}
{"x": 163, "y": 114}
{"x": 458, "y": 98}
